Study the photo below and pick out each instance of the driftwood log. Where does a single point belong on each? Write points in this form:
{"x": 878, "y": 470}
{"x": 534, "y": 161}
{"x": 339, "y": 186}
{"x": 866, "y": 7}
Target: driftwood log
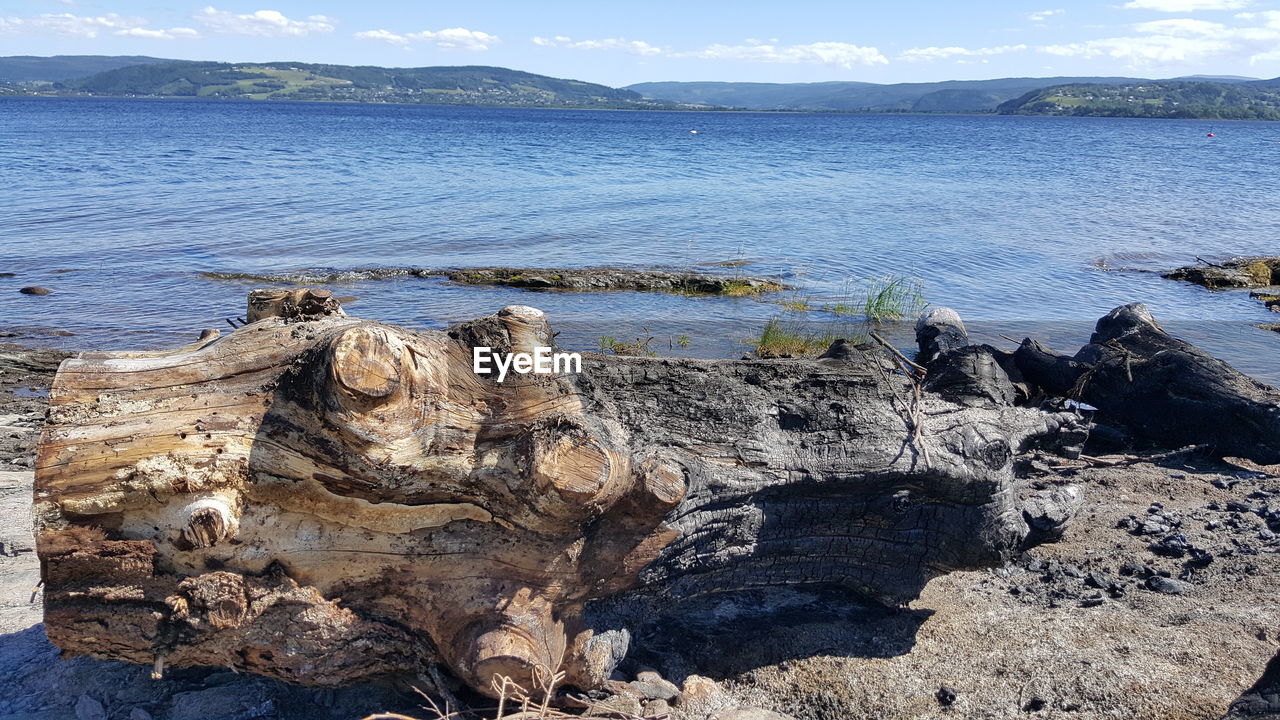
{"x": 323, "y": 499}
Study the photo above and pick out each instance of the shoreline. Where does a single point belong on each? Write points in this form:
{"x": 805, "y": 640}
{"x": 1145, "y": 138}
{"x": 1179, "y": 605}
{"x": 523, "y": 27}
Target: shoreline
{"x": 723, "y": 111}
{"x": 1085, "y": 625}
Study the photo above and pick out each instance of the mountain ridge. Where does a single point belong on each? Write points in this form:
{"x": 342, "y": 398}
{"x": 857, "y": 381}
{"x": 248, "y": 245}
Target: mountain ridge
{"x": 1209, "y": 96}
{"x": 286, "y": 80}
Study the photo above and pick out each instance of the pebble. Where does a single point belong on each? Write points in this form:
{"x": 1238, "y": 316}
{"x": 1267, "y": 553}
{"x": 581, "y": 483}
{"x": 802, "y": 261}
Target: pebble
{"x": 1153, "y": 527}
{"x": 946, "y": 695}
{"x": 701, "y": 696}
{"x": 657, "y": 708}
{"x": 35, "y": 290}
{"x": 654, "y": 687}
{"x": 1168, "y": 586}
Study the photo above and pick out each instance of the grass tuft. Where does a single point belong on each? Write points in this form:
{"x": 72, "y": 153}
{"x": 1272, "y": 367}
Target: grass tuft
{"x": 639, "y": 347}
{"x": 885, "y": 299}
{"x": 780, "y": 339}
{"x": 890, "y": 298}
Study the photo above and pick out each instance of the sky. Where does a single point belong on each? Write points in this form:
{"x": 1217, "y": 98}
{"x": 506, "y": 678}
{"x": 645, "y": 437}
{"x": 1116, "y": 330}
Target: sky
{"x": 619, "y": 43}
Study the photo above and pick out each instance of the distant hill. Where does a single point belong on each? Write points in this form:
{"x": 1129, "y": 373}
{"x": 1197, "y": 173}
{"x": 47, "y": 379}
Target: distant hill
{"x": 60, "y": 68}
{"x": 1251, "y": 100}
{"x": 464, "y": 85}
{"x": 948, "y": 96}
{"x": 1217, "y": 78}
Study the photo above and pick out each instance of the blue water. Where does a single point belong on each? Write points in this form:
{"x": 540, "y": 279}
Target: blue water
{"x": 119, "y": 205}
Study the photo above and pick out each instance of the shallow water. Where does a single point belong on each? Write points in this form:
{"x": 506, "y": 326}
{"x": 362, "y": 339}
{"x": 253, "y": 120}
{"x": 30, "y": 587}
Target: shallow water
{"x": 119, "y": 205}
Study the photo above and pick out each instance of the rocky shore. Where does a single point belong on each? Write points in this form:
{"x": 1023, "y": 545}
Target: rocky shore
{"x": 1157, "y": 603}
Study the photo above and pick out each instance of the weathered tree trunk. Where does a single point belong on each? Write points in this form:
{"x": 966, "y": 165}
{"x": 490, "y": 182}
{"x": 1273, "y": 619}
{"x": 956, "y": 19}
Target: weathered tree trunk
{"x": 1160, "y": 390}
{"x": 323, "y": 499}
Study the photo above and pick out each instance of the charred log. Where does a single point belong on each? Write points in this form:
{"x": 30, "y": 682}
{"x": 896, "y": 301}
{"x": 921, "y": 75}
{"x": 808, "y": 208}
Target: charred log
{"x": 1159, "y": 390}
{"x": 323, "y": 499}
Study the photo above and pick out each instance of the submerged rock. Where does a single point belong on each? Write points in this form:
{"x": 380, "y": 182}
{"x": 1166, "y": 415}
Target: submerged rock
{"x": 35, "y": 290}
{"x": 567, "y": 279}
{"x": 1253, "y": 272}
{"x": 597, "y": 279}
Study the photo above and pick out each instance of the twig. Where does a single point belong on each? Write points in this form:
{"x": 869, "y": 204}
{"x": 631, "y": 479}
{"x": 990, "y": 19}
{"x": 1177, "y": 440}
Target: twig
{"x": 1006, "y": 337}
{"x": 1135, "y": 459}
{"x": 918, "y": 368}
{"x": 1211, "y": 264}
{"x": 912, "y": 415}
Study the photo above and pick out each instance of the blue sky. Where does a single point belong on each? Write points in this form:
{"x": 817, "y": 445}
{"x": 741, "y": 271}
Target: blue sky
{"x": 621, "y": 43}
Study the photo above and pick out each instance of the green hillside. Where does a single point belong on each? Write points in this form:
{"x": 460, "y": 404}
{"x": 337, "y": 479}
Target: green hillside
{"x": 60, "y": 68}
{"x": 1255, "y": 100}
{"x": 947, "y": 96}
{"x": 465, "y": 85}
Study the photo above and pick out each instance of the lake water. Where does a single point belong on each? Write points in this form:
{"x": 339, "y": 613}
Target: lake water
{"x": 120, "y": 205}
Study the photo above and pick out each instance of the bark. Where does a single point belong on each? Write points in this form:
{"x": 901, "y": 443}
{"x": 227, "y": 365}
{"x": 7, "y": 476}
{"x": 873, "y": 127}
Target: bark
{"x": 1161, "y": 391}
{"x": 324, "y": 499}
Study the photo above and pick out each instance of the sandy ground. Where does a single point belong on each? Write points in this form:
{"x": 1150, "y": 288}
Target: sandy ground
{"x": 1072, "y": 630}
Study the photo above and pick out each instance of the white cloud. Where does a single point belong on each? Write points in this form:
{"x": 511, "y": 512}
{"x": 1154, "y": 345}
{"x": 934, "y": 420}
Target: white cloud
{"x": 631, "y": 47}
{"x": 456, "y": 39}
{"x": 67, "y": 24}
{"x": 1141, "y": 52}
{"x": 447, "y": 39}
{"x": 263, "y": 23}
{"x": 170, "y": 34}
{"x": 838, "y": 54}
{"x": 87, "y": 26}
{"x": 1179, "y": 41}
{"x": 1043, "y": 15}
{"x": 1182, "y": 27}
{"x": 1178, "y": 6}
{"x": 946, "y": 53}
{"x": 385, "y": 36}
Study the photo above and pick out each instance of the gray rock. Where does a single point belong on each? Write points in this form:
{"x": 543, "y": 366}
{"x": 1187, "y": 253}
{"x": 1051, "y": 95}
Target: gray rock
{"x": 1168, "y": 586}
